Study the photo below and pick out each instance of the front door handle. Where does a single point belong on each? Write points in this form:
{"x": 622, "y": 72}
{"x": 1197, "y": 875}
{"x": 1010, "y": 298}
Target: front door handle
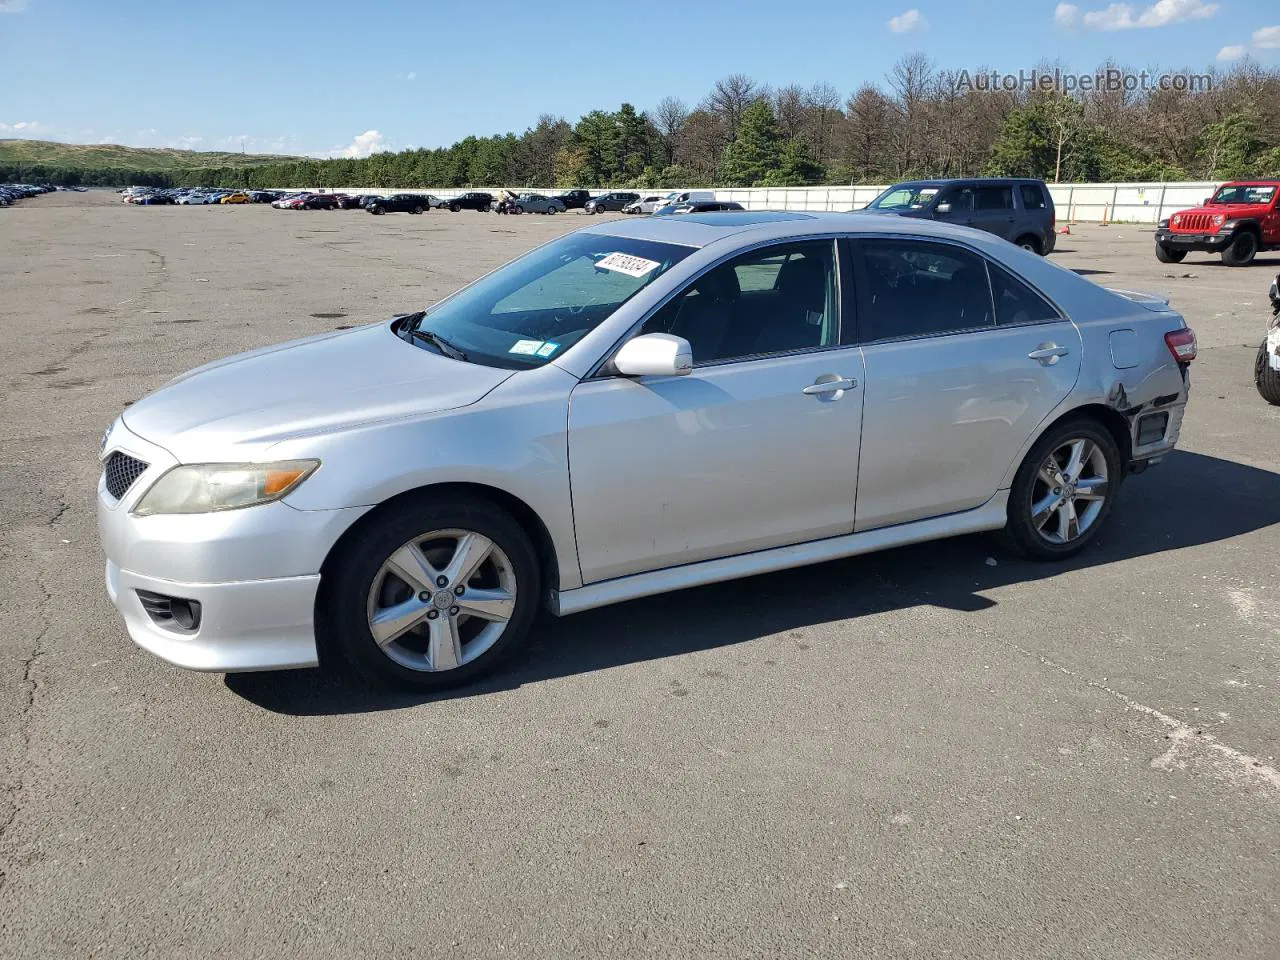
{"x": 830, "y": 385}
{"x": 1048, "y": 354}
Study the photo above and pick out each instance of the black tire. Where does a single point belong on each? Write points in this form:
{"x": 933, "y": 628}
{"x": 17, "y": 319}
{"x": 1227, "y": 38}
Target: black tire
{"x": 1169, "y": 255}
{"x": 518, "y": 209}
{"x": 343, "y": 622}
{"x": 1267, "y": 379}
{"x": 377, "y": 210}
{"x": 1241, "y": 251}
{"x": 454, "y": 208}
{"x": 1030, "y": 242}
{"x": 1020, "y": 533}
{"x": 551, "y": 211}
{"x": 417, "y": 210}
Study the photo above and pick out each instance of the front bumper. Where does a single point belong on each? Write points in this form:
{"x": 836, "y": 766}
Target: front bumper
{"x": 254, "y": 572}
{"x": 1193, "y": 241}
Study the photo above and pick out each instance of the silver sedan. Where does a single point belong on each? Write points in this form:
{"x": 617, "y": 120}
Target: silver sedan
{"x": 537, "y": 203}
{"x": 638, "y": 407}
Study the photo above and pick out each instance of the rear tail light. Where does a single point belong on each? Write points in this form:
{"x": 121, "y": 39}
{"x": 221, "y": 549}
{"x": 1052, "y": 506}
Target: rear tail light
{"x": 1182, "y": 344}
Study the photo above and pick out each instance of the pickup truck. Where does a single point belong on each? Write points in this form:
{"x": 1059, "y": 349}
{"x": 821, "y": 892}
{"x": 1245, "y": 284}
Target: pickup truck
{"x": 1239, "y": 221}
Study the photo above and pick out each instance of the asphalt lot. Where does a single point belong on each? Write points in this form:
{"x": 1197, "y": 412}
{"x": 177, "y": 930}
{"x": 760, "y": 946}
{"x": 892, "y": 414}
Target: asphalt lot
{"x": 911, "y": 754}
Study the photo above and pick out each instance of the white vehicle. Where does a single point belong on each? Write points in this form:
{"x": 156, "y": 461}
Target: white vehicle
{"x": 647, "y": 205}
{"x": 193, "y": 199}
{"x": 678, "y": 197}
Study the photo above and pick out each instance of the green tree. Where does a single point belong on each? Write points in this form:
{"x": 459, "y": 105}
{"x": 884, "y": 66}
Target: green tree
{"x": 755, "y": 151}
{"x": 1231, "y": 148}
{"x": 796, "y": 168}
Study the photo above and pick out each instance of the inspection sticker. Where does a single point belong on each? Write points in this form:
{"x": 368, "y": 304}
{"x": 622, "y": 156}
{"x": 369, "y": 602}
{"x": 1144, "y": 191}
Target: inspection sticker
{"x": 1273, "y": 348}
{"x": 626, "y": 263}
{"x": 547, "y": 349}
{"x": 528, "y": 348}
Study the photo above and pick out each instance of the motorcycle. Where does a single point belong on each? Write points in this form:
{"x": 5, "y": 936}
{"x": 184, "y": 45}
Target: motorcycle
{"x": 1266, "y": 369}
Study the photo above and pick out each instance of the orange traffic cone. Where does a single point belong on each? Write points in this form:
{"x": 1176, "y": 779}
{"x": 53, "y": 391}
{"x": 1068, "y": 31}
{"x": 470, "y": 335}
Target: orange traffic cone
{"x": 1104, "y": 215}
{"x": 1066, "y": 230}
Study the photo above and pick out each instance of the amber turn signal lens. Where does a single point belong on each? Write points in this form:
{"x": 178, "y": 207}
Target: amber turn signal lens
{"x": 278, "y": 481}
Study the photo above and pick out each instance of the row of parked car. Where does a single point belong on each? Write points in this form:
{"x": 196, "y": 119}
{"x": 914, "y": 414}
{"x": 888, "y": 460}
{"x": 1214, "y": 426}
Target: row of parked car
{"x": 13, "y": 192}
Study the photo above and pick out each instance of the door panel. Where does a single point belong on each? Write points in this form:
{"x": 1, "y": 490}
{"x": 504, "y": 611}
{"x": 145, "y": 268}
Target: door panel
{"x": 733, "y": 458}
{"x": 944, "y": 416}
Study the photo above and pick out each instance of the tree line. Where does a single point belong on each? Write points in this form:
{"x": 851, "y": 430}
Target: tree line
{"x": 921, "y": 122}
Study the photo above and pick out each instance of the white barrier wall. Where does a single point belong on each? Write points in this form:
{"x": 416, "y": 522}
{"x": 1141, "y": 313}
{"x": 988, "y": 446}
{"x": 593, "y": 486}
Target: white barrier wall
{"x": 1088, "y": 202}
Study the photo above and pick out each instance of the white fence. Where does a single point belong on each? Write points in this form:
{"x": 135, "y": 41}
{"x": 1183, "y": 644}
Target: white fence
{"x": 1088, "y": 202}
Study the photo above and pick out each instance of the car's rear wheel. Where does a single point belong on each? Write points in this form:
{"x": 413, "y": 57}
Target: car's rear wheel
{"x": 1267, "y": 378}
{"x": 1029, "y": 242}
{"x": 1064, "y": 490}
{"x": 454, "y": 208}
{"x": 417, "y": 210}
{"x": 377, "y": 210}
{"x": 551, "y": 211}
{"x": 431, "y": 594}
{"x": 1241, "y": 251}
{"x": 1167, "y": 254}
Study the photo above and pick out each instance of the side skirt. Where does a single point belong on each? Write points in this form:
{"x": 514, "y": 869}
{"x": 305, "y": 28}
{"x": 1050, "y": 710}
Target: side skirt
{"x": 990, "y": 516}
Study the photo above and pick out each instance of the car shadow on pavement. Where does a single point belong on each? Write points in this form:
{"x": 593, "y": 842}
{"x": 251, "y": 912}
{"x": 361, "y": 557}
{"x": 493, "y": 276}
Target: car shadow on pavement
{"x": 1188, "y": 500}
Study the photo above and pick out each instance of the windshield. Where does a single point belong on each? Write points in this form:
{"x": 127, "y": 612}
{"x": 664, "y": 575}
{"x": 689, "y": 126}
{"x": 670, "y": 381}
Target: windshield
{"x": 1245, "y": 194}
{"x": 533, "y": 309}
{"x": 907, "y": 196}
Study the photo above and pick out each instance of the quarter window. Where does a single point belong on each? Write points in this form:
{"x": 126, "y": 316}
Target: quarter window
{"x": 775, "y": 300}
{"x": 917, "y": 289}
{"x": 1015, "y": 301}
{"x": 1032, "y": 196}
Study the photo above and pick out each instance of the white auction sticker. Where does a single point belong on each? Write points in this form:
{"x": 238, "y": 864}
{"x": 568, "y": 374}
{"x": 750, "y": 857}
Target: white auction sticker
{"x": 626, "y": 263}
{"x": 1273, "y": 348}
{"x": 526, "y": 347}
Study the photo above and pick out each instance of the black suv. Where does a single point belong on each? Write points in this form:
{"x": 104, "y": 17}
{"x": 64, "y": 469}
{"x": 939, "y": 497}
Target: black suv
{"x": 398, "y": 203}
{"x": 1021, "y": 211}
{"x": 573, "y": 199}
{"x": 472, "y": 201}
{"x": 610, "y": 201}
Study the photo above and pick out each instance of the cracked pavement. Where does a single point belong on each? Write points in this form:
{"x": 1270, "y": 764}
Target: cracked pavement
{"x": 911, "y": 754}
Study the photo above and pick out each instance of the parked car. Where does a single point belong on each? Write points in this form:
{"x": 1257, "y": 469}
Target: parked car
{"x": 610, "y": 201}
{"x": 645, "y": 205}
{"x": 236, "y": 198}
{"x": 574, "y": 199}
{"x": 699, "y": 206}
{"x": 319, "y": 201}
{"x": 537, "y": 203}
{"x": 1240, "y": 220}
{"x": 1266, "y": 368}
{"x": 688, "y": 375}
{"x": 1020, "y": 211}
{"x": 193, "y": 199}
{"x": 472, "y": 201}
{"x": 265, "y": 196}
{"x": 350, "y": 202}
{"x": 398, "y": 203}
{"x": 286, "y": 200}
{"x": 156, "y": 200}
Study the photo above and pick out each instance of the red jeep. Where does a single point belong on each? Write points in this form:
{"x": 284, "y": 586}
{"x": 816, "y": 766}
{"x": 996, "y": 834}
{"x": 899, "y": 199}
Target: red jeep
{"x": 1239, "y": 220}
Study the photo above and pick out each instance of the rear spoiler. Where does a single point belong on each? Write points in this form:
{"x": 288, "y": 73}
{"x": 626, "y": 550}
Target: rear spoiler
{"x": 1156, "y": 302}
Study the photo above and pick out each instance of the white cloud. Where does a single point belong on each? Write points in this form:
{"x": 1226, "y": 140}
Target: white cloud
{"x": 1066, "y": 14}
{"x": 1233, "y": 52}
{"x": 1125, "y": 16}
{"x": 12, "y": 6}
{"x": 369, "y": 142}
{"x": 24, "y": 128}
{"x": 1267, "y": 38}
{"x": 907, "y": 22}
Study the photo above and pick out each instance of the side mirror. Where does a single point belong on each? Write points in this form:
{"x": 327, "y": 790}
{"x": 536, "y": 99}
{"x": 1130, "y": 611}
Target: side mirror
{"x": 943, "y": 208}
{"x": 654, "y": 355}
{"x": 1207, "y": 201}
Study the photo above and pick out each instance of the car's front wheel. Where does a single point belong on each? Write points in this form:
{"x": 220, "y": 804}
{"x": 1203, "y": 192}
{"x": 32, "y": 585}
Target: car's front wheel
{"x": 454, "y": 208}
{"x": 417, "y": 210}
{"x": 1241, "y": 251}
{"x": 1064, "y": 490}
{"x": 431, "y": 593}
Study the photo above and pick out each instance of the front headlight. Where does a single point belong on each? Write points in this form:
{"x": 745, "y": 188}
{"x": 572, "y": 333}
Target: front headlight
{"x": 208, "y": 487}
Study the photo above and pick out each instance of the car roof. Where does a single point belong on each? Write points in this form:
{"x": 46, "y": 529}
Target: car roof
{"x": 700, "y": 230}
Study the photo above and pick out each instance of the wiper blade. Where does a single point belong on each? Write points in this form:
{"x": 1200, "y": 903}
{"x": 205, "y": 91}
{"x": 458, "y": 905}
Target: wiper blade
{"x": 439, "y": 342}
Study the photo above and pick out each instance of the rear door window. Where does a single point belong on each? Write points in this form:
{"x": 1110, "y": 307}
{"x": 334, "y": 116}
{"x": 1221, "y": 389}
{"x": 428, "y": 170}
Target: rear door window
{"x": 912, "y": 288}
{"x": 994, "y": 198}
{"x": 1016, "y": 303}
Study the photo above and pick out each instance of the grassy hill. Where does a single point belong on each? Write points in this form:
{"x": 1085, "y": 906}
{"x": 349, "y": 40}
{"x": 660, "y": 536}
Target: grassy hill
{"x": 108, "y": 156}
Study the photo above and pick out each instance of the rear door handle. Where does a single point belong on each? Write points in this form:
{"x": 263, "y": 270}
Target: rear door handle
{"x": 836, "y": 384}
{"x": 1048, "y": 353}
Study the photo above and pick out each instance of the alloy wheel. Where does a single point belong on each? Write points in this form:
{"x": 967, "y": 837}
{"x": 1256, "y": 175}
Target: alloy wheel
{"x": 442, "y": 600}
{"x": 1069, "y": 491}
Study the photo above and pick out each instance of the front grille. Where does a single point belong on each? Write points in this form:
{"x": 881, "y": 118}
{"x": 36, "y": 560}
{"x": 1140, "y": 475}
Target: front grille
{"x": 121, "y": 472}
{"x": 1194, "y": 222}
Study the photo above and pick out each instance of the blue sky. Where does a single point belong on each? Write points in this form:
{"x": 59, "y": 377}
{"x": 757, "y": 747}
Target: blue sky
{"x": 328, "y": 77}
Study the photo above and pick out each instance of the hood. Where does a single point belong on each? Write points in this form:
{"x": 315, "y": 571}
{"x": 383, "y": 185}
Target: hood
{"x": 240, "y": 405}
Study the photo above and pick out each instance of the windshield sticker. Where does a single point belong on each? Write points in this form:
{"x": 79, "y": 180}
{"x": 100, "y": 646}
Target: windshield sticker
{"x": 626, "y": 263}
{"x": 528, "y": 348}
{"x": 547, "y": 349}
